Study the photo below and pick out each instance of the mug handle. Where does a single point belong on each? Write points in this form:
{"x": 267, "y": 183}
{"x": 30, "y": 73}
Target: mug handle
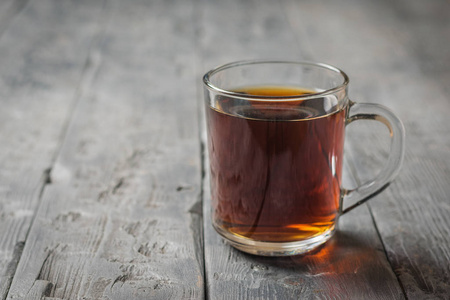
{"x": 369, "y": 111}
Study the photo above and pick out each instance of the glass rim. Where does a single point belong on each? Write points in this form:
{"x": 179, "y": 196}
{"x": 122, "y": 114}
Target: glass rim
{"x": 212, "y": 87}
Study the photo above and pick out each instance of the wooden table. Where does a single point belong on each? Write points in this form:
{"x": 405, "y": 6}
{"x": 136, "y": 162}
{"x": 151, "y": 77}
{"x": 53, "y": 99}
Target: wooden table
{"x": 103, "y": 180}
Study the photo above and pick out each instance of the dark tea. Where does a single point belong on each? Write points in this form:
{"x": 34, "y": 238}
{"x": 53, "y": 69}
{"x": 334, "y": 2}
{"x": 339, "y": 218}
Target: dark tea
{"x": 275, "y": 141}
{"x": 275, "y": 165}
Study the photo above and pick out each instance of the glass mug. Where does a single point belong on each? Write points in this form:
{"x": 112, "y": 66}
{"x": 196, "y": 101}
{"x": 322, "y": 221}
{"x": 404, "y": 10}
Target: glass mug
{"x": 275, "y": 138}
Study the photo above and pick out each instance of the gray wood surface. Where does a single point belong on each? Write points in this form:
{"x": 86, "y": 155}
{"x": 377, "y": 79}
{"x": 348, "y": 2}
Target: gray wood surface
{"x": 118, "y": 218}
{"x": 412, "y": 216}
{"x": 357, "y": 255}
{"x": 104, "y": 191}
{"x": 412, "y": 42}
{"x": 40, "y": 71}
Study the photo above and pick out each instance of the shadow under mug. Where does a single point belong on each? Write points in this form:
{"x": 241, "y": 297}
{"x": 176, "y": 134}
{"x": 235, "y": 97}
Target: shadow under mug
{"x": 276, "y": 139}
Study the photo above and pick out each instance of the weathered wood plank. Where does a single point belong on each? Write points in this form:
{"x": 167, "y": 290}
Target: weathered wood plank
{"x": 425, "y": 27}
{"x": 42, "y": 53}
{"x": 400, "y": 59}
{"x": 353, "y": 265}
{"x": 121, "y": 216}
{"x": 119, "y": 219}
{"x": 240, "y": 30}
{"x": 415, "y": 224}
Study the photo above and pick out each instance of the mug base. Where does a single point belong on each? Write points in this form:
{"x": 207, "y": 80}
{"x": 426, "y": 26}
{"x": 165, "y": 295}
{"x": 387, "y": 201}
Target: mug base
{"x": 275, "y": 248}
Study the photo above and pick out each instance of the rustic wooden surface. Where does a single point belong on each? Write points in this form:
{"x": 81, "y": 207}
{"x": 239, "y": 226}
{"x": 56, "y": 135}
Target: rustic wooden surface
{"x": 103, "y": 180}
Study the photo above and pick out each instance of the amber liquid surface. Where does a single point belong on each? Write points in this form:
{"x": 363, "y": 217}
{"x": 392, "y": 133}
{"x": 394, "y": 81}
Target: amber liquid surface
{"x": 275, "y": 166}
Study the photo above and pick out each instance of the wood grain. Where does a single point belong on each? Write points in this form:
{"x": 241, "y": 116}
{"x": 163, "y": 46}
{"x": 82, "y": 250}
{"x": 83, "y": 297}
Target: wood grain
{"x": 103, "y": 181}
{"x": 355, "y": 257}
{"x": 119, "y": 219}
{"x": 400, "y": 59}
{"x": 415, "y": 224}
{"x": 40, "y": 73}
